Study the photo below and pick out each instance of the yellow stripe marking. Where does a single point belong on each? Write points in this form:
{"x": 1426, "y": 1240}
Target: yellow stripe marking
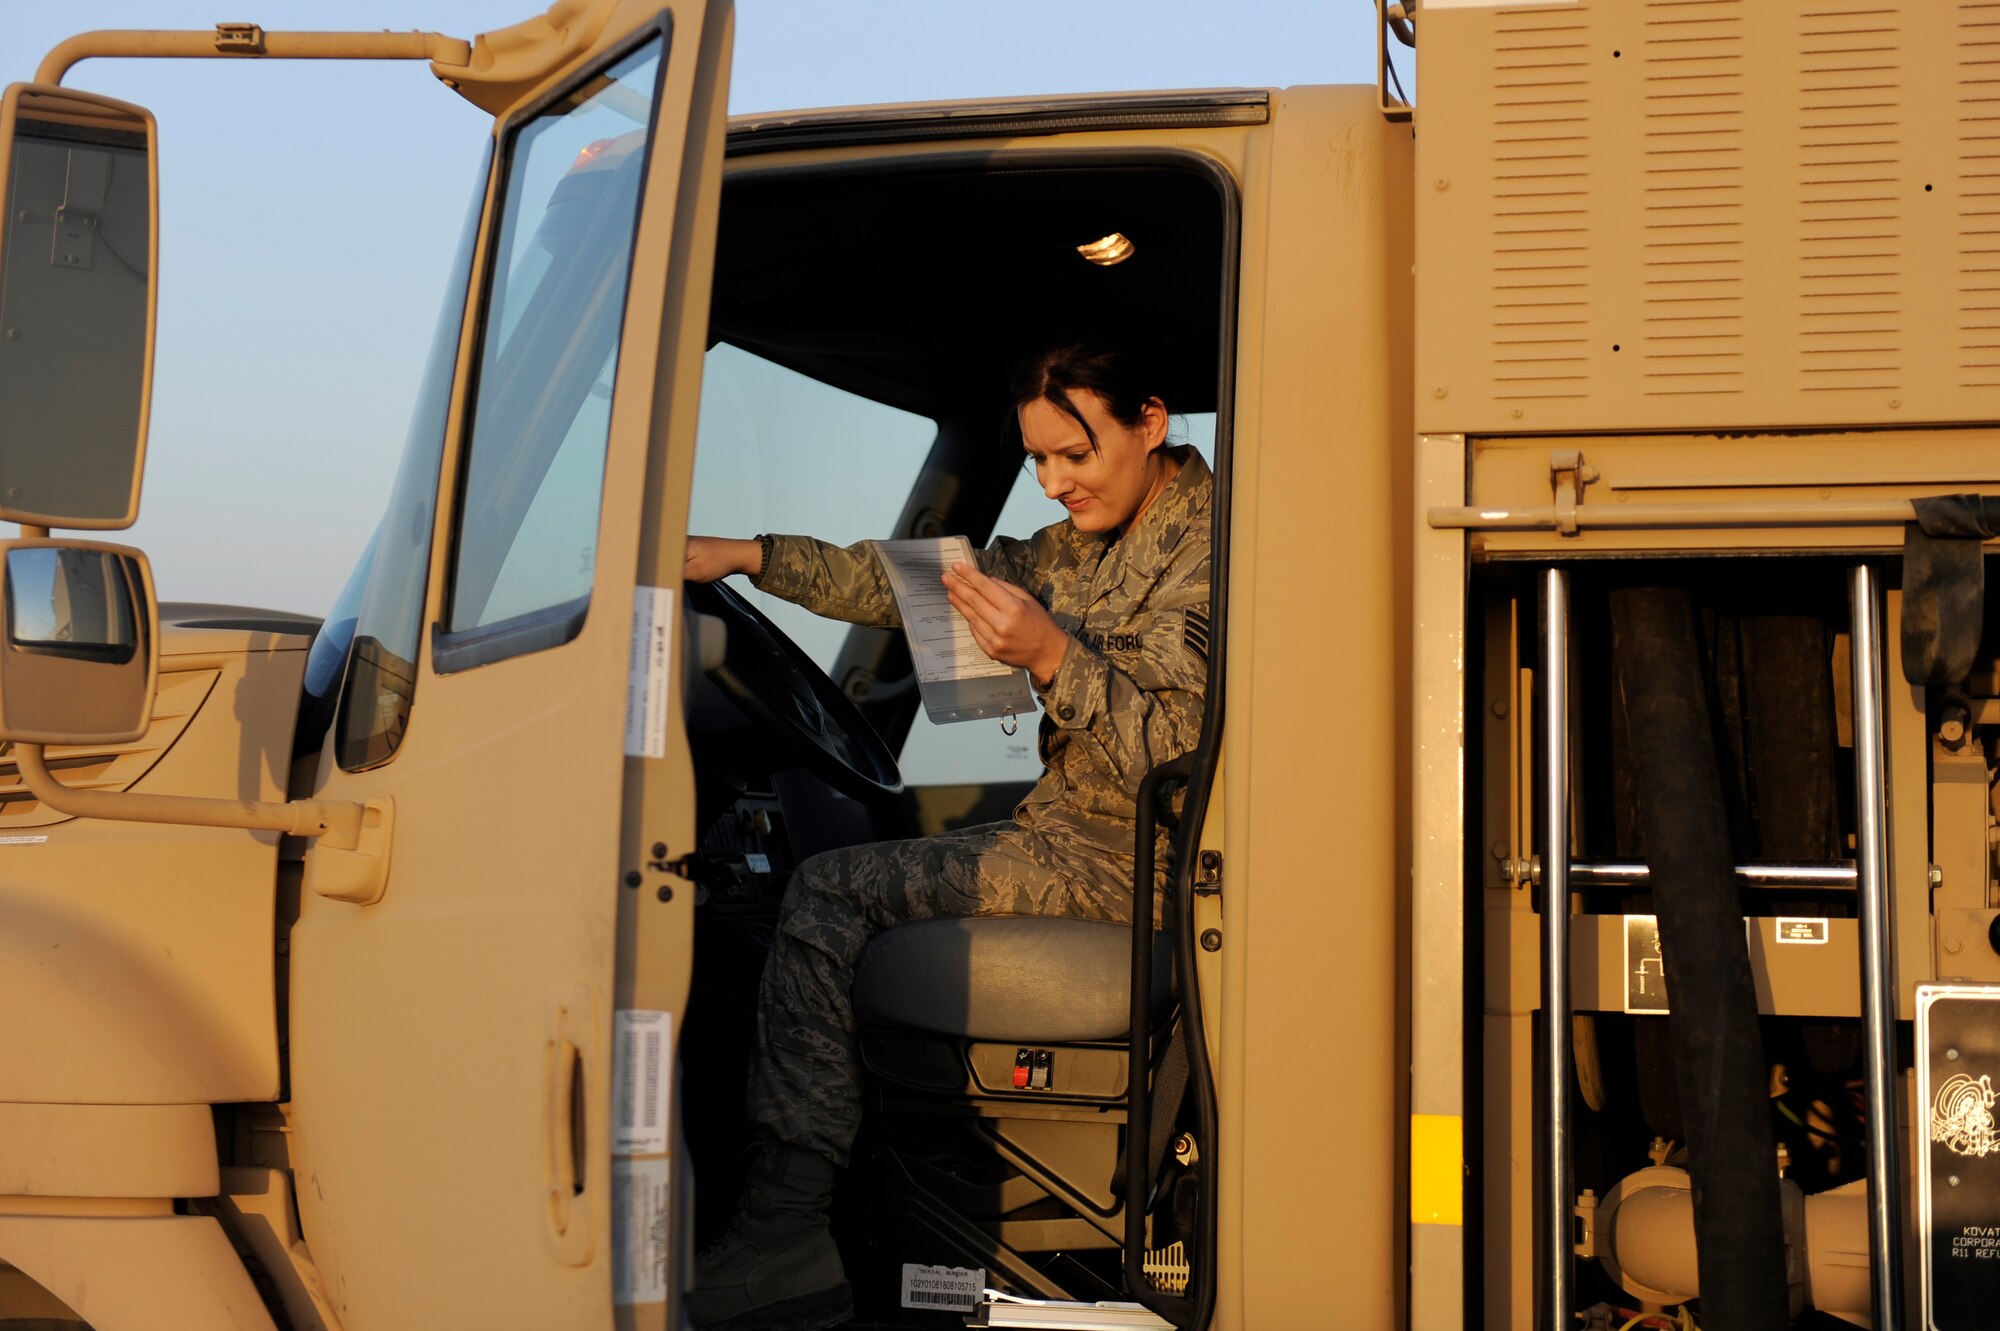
{"x": 1437, "y": 1169}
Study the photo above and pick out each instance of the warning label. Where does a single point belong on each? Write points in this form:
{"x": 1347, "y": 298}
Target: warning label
{"x": 638, "y": 1231}
{"x": 651, "y": 670}
{"x": 1645, "y": 970}
{"x": 1794, "y": 929}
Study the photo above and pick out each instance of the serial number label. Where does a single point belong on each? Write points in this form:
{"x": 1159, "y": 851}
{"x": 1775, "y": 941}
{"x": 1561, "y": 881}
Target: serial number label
{"x": 941, "y": 1286}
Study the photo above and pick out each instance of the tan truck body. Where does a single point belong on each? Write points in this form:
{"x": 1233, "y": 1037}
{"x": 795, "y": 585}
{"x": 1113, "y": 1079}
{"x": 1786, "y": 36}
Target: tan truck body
{"x": 1664, "y": 240}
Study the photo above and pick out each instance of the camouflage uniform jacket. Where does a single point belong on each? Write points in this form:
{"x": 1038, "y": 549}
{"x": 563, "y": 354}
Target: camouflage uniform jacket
{"x": 1129, "y": 692}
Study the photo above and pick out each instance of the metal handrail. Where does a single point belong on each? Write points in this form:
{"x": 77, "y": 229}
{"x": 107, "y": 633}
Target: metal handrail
{"x": 1799, "y": 875}
{"x": 1878, "y": 954}
{"x": 1548, "y": 517}
{"x": 1555, "y": 1239}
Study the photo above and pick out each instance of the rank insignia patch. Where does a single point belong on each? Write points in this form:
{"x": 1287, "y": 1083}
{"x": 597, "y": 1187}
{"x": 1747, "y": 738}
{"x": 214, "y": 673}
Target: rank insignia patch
{"x": 1195, "y": 632}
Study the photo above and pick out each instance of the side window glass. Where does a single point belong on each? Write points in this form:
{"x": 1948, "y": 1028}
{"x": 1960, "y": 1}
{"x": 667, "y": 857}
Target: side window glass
{"x": 777, "y": 451}
{"x": 381, "y": 678}
{"x": 526, "y": 545}
{"x": 981, "y": 754}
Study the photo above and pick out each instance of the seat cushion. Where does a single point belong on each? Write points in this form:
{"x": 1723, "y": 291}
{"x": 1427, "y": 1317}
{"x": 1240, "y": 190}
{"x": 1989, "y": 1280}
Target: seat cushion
{"x": 1018, "y": 978}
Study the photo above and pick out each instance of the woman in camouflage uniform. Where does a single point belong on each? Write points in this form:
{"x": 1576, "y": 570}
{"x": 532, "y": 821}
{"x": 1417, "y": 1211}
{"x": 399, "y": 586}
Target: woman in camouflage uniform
{"x": 1108, "y": 613}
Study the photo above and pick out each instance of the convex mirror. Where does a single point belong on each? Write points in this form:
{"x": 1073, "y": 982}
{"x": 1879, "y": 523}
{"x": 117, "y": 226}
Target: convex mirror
{"x": 79, "y": 629}
{"x": 78, "y": 254}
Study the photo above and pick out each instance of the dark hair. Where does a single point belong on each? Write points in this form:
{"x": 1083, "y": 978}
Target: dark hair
{"x": 1122, "y": 371}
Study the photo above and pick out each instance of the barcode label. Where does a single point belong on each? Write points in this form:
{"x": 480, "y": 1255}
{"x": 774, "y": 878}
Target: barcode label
{"x": 640, "y": 1068}
{"x": 953, "y": 1287}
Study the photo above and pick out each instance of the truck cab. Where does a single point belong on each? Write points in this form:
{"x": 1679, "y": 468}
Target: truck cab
{"x": 497, "y": 1077}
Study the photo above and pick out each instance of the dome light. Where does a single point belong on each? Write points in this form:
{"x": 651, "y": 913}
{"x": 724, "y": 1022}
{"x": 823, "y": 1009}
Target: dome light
{"x": 1107, "y": 250}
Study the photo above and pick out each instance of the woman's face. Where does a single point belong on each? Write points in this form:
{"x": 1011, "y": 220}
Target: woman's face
{"x": 1104, "y": 488}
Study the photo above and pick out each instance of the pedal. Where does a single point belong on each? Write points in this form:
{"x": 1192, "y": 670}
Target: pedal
{"x": 1167, "y": 1268}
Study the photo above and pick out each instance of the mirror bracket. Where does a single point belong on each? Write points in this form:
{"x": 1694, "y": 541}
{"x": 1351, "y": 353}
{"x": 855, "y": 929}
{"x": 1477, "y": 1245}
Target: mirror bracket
{"x": 355, "y": 868}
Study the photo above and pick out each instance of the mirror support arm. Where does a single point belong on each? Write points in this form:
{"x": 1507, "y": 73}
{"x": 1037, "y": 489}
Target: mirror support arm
{"x": 342, "y": 822}
{"x": 349, "y": 859}
{"x": 237, "y": 41}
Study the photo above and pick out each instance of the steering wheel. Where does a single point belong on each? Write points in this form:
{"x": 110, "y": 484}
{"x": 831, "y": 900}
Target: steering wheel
{"x": 786, "y": 696}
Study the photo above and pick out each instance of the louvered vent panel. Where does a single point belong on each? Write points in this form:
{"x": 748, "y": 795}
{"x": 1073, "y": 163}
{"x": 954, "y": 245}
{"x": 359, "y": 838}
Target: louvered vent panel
{"x": 1851, "y": 219}
{"x": 1541, "y": 238}
{"x": 1708, "y": 215}
{"x": 1978, "y": 52}
{"x": 1692, "y": 198}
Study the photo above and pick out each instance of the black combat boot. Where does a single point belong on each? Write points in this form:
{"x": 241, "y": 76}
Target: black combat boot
{"x": 775, "y": 1269}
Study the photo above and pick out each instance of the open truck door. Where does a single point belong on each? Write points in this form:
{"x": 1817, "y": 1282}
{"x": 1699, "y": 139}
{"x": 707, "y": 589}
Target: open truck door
{"x": 481, "y": 1072}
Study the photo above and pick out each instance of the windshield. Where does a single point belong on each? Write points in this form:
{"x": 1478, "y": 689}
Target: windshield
{"x": 778, "y": 451}
{"x": 387, "y": 585}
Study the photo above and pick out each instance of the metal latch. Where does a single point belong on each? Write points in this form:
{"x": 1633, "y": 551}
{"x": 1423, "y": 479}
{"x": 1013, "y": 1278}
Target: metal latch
{"x": 1585, "y": 1233}
{"x": 1208, "y": 874}
{"x": 694, "y": 867}
{"x": 1568, "y": 475}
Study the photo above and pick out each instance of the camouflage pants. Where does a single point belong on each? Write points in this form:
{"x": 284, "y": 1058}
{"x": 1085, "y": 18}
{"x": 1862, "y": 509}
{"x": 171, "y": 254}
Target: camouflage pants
{"x": 805, "y": 1075}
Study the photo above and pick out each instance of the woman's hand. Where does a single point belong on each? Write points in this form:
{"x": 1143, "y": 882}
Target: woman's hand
{"x": 711, "y": 558}
{"x": 1008, "y": 624}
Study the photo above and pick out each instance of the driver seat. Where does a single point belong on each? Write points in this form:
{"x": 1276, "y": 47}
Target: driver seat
{"x": 998, "y": 1050}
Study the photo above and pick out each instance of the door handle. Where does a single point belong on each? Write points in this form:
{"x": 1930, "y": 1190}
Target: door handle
{"x": 566, "y": 1203}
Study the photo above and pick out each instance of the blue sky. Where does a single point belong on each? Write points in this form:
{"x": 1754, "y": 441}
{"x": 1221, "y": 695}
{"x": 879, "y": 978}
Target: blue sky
{"x": 309, "y": 210}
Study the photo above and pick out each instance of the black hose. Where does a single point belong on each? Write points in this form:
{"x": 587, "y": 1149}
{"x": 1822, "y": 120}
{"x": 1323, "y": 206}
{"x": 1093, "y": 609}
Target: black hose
{"x": 1789, "y": 737}
{"x": 1718, "y": 1051}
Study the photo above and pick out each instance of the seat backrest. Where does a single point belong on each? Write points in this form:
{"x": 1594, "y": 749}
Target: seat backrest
{"x": 1023, "y": 978}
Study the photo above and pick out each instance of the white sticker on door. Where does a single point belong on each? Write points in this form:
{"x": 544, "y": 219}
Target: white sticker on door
{"x": 638, "y": 1231}
{"x": 642, "y": 1062}
{"x": 652, "y": 659}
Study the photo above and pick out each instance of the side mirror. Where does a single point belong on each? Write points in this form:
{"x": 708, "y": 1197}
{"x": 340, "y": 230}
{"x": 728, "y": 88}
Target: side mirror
{"x": 79, "y": 633}
{"x": 80, "y": 663}
{"x": 78, "y": 256}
